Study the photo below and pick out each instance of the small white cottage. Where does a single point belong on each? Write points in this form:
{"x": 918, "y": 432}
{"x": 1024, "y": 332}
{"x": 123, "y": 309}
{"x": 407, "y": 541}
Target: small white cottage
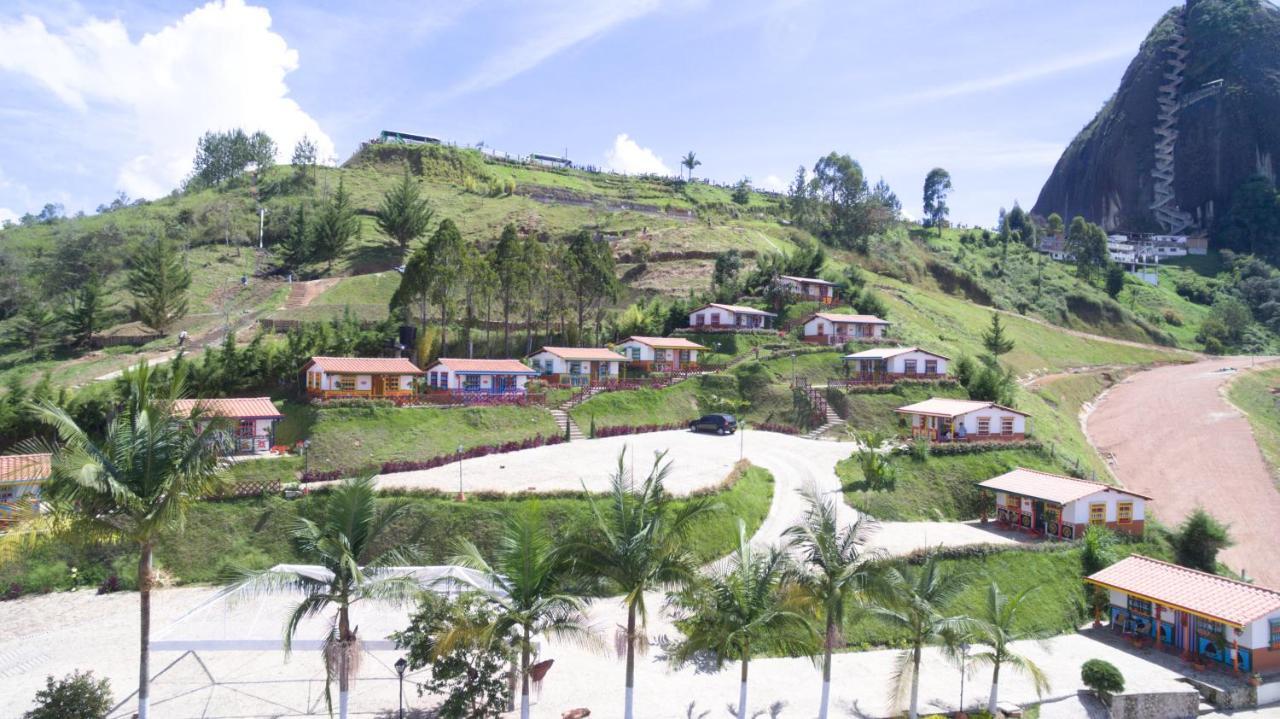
{"x": 577, "y": 366}
{"x": 479, "y": 376}
{"x": 20, "y": 478}
{"x": 964, "y": 420}
{"x": 253, "y": 420}
{"x": 830, "y": 328}
{"x": 892, "y": 363}
{"x": 720, "y": 317}
{"x": 660, "y": 354}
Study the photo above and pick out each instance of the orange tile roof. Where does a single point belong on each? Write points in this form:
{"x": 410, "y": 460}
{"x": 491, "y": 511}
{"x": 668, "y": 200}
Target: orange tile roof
{"x": 814, "y": 280}
{"x": 24, "y": 467}
{"x": 679, "y": 343}
{"x": 598, "y": 354}
{"x": 943, "y": 407}
{"x": 736, "y": 309}
{"x": 1209, "y": 595}
{"x": 483, "y": 366}
{"x": 365, "y": 365}
{"x": 1052, "y": 487}
{"x": 887, "y": 352}
{"x": 861, "y": 319}
{"x": 241, "y": 407}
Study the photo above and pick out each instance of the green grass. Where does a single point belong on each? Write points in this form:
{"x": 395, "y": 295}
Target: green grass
{"x": 1055, "y": 409}
{"x": 224, "y": 538}
{"x": 365, "y": 437}
{"x": 875, "y": 412}
{"x": 677, "y": 403}
{"x": 1255, "y": 393}
{"x": 938, "y": 489}
{"x": 267, "y": 469}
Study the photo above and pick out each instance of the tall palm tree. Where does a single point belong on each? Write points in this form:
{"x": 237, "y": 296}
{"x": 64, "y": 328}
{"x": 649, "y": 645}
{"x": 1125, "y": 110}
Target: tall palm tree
{"x": 529, "y": 570}
{"x": 997, "y": 627}
{"x": 838, "y": 567}
{"x": 690, "y": 161}
{"x": 132, "y": 486}
{"x": 350, "y": 542}
{"x": 640, "y": 546}
{"x": 915, "y": 599}
{"x": 749, "y": 606}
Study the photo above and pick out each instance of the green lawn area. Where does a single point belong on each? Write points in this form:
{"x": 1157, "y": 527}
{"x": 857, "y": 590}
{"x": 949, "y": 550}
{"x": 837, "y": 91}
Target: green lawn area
{"x": 943, "y": 487}
{"x": 816, "y": 367}
{"x": 267, "y": 469}
{"x": 1255, "y": 393}
{"x": 223, "y": 538}
{"x": 677, "y": 403}
{"x": 1055, "y": 409}
{"x": 354, "y": 438}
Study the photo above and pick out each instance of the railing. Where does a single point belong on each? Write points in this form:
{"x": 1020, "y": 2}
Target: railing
{"x": 865, "y": 378}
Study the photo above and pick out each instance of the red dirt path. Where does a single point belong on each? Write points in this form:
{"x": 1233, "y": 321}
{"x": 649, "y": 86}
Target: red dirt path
{"x": 1170, "y": 434}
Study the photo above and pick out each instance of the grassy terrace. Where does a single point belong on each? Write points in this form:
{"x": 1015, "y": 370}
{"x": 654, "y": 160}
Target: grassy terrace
{"x": 677, "y": 403}
{"x": 222, "y": 538}
{"x": 365, "y": 437}
{"x": 1255, "y": 394}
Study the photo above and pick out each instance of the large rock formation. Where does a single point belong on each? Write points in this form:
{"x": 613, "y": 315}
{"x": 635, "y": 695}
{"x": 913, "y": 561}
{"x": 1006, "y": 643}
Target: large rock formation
{"x": 1196, "y": 114}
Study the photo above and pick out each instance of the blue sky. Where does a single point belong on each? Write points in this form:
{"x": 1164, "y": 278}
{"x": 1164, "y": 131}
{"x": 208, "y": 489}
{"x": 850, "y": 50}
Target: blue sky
{"x": 101, "y": 97}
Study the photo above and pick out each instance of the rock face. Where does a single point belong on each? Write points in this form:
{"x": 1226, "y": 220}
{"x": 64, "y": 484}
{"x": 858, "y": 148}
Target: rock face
{"x": 1196, "y": 114}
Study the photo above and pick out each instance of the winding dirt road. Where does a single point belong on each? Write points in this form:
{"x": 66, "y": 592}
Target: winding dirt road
{"x": 1171, "y": 434}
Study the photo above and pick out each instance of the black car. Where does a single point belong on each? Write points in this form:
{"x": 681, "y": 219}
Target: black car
{"x": 718, "y": 423}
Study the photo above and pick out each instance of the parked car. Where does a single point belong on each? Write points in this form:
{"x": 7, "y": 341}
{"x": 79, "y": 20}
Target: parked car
{"x": 718, "y": 423}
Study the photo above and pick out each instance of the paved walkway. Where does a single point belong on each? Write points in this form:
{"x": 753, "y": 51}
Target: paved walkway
{"x": 1171, "y": 434}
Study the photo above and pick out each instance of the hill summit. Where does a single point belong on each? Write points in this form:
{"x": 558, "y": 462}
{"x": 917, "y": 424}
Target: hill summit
{"x": 1193, "y": 118}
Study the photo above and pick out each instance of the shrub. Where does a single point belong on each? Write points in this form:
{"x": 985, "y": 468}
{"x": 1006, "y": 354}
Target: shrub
{"x": 1102, "y": 677}
{"x": 109, "y": 585}
{"x": 75, "y": 696}
{"x": 1198, "y": 540}
{"x": 919, "y": 449}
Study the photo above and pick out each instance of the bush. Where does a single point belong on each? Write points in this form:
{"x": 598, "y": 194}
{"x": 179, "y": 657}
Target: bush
{"x": 75, "y": 696}
{"x": 1198, "y": 540}
{"x": 1102, "y": 677}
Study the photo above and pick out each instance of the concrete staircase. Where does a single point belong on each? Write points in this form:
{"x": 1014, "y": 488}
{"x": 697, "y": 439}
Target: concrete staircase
{"x": 1165, "y": 205}
{"x": 564, "y": 420}
{"x": 830, "y": 420}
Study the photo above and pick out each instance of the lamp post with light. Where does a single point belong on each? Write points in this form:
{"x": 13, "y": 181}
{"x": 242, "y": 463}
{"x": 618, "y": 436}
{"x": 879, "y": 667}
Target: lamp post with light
{"x": 401, "y": 665}
{"x": 461, "y": 497}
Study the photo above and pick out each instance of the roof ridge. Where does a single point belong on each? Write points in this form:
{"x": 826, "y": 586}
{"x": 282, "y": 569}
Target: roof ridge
{"x": 1207, "y": 575}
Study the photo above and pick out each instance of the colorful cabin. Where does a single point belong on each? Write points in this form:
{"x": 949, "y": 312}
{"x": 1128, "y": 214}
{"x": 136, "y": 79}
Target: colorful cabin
{"x": 20, "y": 478}
{"x": 479, "y": 376}
{"x": 577, "y": 366}
{"x": 253, "y": 420}
{"x": 830, "y": 328}
{"x": 1205, "y": 618}
{"x": 809, "y": 288}
{"x": 661, "y": 354}
{"x": 888, "y": 364}
{"x": 964, "y": 420}
{"x": 717, "y": 317}
{"x": 368, "y": 377}
{"x": 1059, "y": 506}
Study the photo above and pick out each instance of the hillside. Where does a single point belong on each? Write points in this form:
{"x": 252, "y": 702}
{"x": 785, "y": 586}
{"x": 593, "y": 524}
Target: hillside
{"x": 1189, "y": 116}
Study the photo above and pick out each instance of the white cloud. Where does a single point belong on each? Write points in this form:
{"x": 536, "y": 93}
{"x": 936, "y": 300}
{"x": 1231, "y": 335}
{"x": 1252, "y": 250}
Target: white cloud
{"x": 562, "y": 25}
{"x": 1033, "y": 72}
{"x": 628, "y": 157}
{"x": 7, "y": 215}
{"x": 217, "y": 68}
{"x": 773, "y": 183}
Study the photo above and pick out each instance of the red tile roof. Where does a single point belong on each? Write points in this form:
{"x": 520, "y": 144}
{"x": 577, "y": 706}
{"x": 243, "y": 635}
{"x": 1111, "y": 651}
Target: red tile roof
{"x": 943, "y": 407}
{"x": 24, "y": 467}
{"x": 364, "y": 365}
{"x": 1052, "y": 487}
{"x": 736, "y": 309}
{"x": 860, "y": 319}
{"x": 483, "y": 366}
{"x": 887, "y": 352}
{"x": 812, "y": 280}
{"x": 678, "y": 343}
{"x": 593, "y": 354}
{"x": 1209, "y": 595}
{"x": 240, "y": 407}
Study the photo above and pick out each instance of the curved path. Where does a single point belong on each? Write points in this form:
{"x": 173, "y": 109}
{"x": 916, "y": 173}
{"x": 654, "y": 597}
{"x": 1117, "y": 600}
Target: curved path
{"x": 1171, "y": 434}
{"x": 698, "y": 461}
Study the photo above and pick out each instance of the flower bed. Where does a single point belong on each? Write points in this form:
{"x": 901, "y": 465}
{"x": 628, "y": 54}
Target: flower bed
{"x": 974, "y": 447}
{"x": 440, "y": 460}
{"x": 775, "y": 427}
{"x": 622, "y": 429}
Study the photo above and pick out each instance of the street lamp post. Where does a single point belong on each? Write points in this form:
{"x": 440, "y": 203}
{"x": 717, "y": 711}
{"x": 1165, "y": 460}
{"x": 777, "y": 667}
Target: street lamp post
{"x": 401, "y": 665}
{"x": 461, "y": 497}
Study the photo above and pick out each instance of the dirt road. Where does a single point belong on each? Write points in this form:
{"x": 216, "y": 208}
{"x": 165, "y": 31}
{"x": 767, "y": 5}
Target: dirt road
{"x": 1169, "y": 433}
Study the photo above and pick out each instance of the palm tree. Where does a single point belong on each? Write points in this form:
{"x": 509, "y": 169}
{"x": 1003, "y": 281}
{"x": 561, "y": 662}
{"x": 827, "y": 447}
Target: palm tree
{"x": 357, "y": 559}
{"x": 640, "y": 547}
{"x": 914, "y": 599}
{"x": 690, "y": 161}
{"x": 750, "y": 606}
{"x": 997, "y": 627}
{"x": 528, "y": 571}
{"x": 839, "y": 570}
{"x": 131, "y": 487}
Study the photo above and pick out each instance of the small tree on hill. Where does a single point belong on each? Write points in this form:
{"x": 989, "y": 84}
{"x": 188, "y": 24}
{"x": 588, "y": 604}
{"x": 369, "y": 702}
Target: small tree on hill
{"x": 159, "y": 284}
{"x": 295, "y": 249}
{"x": 84, "y": 312}
{"x": 689, "y": 162}
{"x": 994, "y": 338}
{"x": 220, "y": 156}
{"x": 75, "y": 696}
{"x": 936, "y": 186}
{"x": 336, "y": 227}
{"x": 405, "y": 214}
{"x": 305, "y": 156}
{"x": 742, "y": 191}
{"x": 1198, "y": 540}
{"x": 1115, "y": 280}
{"x": 1054, "y": 224}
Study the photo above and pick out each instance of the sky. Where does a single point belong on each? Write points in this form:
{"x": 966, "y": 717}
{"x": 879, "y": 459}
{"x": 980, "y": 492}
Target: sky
{"x": 106, "y": 97}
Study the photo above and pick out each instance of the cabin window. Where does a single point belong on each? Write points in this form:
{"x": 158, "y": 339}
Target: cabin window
{"x": 471, "y": 381}
{"x": 575, "y": 368}
{"x": 931, "y": 366}
{"x": 536, "y": 364}
{"x": 684, "y": 356}
{"x": 1139, "y": 606}
{"x": 1124, "y": 512}
{"x": 635, "y": 354}
{"x": 909, "y": 366}
{"x": 346, "y": 382}
{"x": 1275, "y": 633}
{"x": 984, "y": 426}
{"x": 1006, "y": 426}
{"x": 1012, "y": 501}
{"x": 700, "y": 319}
{"x": 245, "y": 428}
{"x": 715, "y": 318}
{"x": 1098, "y": 513}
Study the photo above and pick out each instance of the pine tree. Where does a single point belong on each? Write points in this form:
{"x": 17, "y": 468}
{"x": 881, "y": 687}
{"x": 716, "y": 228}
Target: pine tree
{"x": 295, "y": 249}
{"x": 33, "y": 328}
{"x": 1198, "y": 540}
{"x": 405, "y": 214}
{"x": 994, "y": 338}
{"x": 84, "y": 312}
{"x": 337, "y": 226}
{"x": 159, "y": 284}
